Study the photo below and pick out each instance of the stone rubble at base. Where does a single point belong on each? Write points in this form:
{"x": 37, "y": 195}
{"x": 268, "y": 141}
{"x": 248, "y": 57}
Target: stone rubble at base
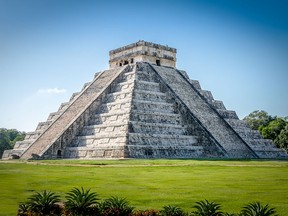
{"x": 143, "y": 107}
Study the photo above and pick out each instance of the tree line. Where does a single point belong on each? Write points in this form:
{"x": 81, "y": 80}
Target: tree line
{"x": 8, "y": 138}
{"x": 271, "y": 127}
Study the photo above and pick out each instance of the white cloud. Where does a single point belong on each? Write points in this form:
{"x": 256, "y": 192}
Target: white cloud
{"x": 51, "y": 91}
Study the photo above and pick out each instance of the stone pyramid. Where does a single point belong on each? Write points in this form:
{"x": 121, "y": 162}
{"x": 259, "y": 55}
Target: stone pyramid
{"x": 143, "y": 107}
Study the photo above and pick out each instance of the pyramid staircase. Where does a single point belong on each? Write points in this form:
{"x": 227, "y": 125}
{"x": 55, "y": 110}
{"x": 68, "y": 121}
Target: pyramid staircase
{"x": 262, "y": 148}
{"x": 143, "y": 111}
{"x": 135, "y": 120}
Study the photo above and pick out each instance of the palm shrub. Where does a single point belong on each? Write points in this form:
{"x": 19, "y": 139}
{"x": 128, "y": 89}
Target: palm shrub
{"x": 257, "y": 209}
{"x": 23, "y": 209}
{"x": 207, "y": 208}
{"x": 43, "y": 203}
{"x": 81, "y": 202}
{"x": 115, "y": 206}
{"x": 172, "y": 211}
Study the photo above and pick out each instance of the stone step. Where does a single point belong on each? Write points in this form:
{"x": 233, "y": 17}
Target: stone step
{"x": 85, "y": 85}
{"x": 32, "y": 135}
{"x": 43, "y": 126}
{"x": 149, "y": 151}
{"x": 157, "y": 128}
{"x": 266, "y": 149}
{"x": 260, "y": 143}
{"x": 127, "y": 76}
{"x": 9, "y": 154}
{"x": 149, "y": 95}
{"x": 96, "y": 74}
{"x": 145, "y": 76}
{"x": 63, "y": 106}
{"x": 276, "y": 153}
{"x": 161, "y": 139}
{"x": 52, "y": 116}
{"x": 207, "y": 94}
{"x": 184, "y": 73}
{"x": 112, "y": 97}
{"x": 218, "y": 104}
{"x": 144, "y": 85}
{"x": 94, "y": 129}
{"x": 152, "y": 106}
{"x": 155, "y": 117}
{"x": 74, "y": 96}
{"x": 122, "y": 86}
{"x": 237, "y": 124}
{"x": 110, "y": 118}
{"x": 95, "y": 152}
{"x": 196, "y": 84}
{"x": 22, "y": 144}
{"x": 227, "y": 114}
{"x": 124, "y": 104}
{"x": 100, "y": 139}
{"x": 248, "y": 133}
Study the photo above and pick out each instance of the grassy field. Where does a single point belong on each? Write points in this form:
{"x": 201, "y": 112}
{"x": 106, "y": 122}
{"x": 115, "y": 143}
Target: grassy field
{"x": 151, "y": 183}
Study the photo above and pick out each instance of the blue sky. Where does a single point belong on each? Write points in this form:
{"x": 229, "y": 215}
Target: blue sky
{"x": 48, "y": 49}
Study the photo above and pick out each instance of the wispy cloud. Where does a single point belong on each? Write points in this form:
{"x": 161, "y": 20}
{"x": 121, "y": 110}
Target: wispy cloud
{"x": 51, "y": 91}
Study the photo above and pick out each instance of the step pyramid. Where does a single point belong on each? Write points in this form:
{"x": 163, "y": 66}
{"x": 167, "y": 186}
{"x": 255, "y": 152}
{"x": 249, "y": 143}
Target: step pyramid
{"x": 143, "y": 107}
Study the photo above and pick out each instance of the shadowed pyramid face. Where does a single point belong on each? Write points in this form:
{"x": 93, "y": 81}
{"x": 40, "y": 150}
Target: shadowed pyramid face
{"x": 143, "y": 110}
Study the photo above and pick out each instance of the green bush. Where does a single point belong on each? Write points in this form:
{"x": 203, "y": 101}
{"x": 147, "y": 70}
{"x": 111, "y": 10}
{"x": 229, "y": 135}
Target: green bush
{"x": 40, "y": 203}
{"x": 81, "y": 202}
{"x": 257, "y": 209}
{"x": 115, "y": 206}
{"x": 172, "y": 211}
{"x": 23, "y": 209}
{"x": 207, "y": 208}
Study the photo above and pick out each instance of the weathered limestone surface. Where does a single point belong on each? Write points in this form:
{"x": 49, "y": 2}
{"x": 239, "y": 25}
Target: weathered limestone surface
{"x": 233, "y": 144}
{"x": 261, "y": 147}
{"x": 143, "y": 51}
{"x": 62, "y": 124}
{"x": 159, "y": 125}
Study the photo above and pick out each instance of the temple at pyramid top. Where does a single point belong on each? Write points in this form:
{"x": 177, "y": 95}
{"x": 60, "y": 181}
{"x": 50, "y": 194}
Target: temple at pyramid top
{"x": 143, "y": 51}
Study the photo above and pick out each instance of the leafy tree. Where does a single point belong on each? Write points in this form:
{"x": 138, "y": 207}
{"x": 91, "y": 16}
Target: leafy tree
{"x": 257, "y": 119}
{"x": 80, "y": 201}
{"x": 8, "y": 137}
{"x": 273, "y": 129}
{"x": 257, "y": 209}
{"x": 4, "y": 141}
{"x": 282, "y": 139}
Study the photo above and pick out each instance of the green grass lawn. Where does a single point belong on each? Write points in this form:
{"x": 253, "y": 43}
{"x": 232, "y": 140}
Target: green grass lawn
{"x": 151, "y": 183}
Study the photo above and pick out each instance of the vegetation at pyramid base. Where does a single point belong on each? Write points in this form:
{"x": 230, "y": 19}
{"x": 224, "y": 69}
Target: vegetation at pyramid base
{"x": 83, "y": 202}
{"x": 8, "y": 138}
{"x": 271, "y": 127}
